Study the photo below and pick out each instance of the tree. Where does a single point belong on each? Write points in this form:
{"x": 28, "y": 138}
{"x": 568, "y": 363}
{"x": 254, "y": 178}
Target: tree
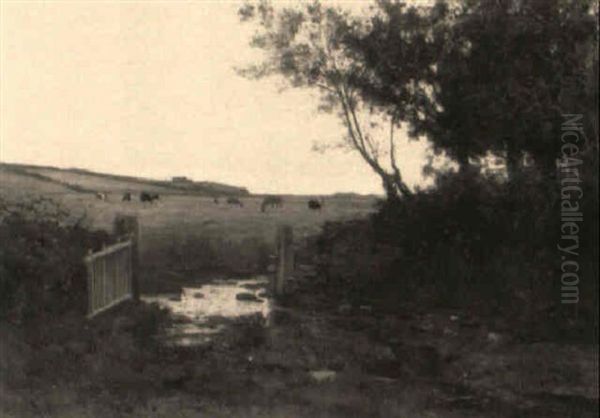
{"x": 483, "y": 75}
{"x": 308, "y": 47}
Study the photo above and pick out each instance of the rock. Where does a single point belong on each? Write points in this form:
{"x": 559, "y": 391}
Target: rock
{"x": 494, "y": 337}
{"x": 198, "y": 295}
{"x": 322, "y": 375}
{"x": 366, "y": 308}
{"x": 271, "y": 268}
{"x": 247, "y": 297}
{"x": 175, "y": 298}
{"x": 264, "y": 294}
{"x": 383, "y": 352}
{"x": 454, "y": 318}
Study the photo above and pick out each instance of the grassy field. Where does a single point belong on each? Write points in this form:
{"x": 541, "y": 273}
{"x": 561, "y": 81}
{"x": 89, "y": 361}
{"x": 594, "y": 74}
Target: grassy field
{"x": 186, "y": 233}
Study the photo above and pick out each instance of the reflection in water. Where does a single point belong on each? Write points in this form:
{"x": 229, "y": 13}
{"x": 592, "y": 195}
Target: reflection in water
{"x": 197, "y": 307}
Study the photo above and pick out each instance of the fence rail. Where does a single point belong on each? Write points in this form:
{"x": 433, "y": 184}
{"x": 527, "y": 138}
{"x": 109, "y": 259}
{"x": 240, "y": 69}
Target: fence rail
{"x": 110, "y": 276}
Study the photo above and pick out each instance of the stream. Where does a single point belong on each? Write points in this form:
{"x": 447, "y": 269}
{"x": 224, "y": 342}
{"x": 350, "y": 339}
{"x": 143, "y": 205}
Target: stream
{"x": 200, "y": 311}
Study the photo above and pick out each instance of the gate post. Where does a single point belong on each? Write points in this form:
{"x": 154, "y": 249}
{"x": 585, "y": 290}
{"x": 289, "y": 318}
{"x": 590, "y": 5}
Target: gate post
{"x": 285, "y": 259}
{"x": 128, "y": 225}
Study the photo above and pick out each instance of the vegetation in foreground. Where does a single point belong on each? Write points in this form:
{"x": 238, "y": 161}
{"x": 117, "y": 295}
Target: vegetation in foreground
{"x": 505, "y": 93}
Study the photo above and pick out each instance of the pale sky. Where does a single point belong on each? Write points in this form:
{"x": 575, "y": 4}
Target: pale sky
{"x": 149, "y": 89}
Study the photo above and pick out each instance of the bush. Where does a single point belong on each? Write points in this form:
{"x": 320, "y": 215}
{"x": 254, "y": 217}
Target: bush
{"x": 470, "y": 241}
{"x": 41, "y": 259}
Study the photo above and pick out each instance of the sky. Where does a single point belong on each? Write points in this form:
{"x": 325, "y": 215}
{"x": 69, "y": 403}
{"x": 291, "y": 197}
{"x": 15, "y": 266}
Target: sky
{"x": 149, "y": 88}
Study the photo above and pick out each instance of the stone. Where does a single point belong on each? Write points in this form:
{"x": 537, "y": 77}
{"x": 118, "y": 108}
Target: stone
{"x": 198, "y": 295}
{"x": 264, "y": 294}
{"x": 321, "y": 376}
{"x": 247, "y": 297}
{"x": 383, "y": 352}
{"x": 494, "y": 337}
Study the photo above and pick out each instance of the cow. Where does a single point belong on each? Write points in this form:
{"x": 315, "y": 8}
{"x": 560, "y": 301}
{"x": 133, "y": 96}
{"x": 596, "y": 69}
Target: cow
{"x": 314, "y": 204}
{"x": 271, "y": 201}
{"x": 234, "y": 201}
{"x": 126, "y": 197}
{"x": 149, "y": 197}
{"x": 100, "y": 196}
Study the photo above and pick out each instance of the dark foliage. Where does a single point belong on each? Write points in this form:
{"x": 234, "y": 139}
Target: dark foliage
{"x": 474, "y": 243}
{"x": 41, "y": 259}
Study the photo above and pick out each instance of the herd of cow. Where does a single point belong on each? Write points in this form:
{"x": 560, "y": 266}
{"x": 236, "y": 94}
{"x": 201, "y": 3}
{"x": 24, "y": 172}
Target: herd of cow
{"x": 273, "y": 202}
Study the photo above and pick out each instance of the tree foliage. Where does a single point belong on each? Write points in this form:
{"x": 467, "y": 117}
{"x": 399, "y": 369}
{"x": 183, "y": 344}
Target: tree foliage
{"x": 475, "y": 77}
{"x": 307, "y": 45}
{"x": 485, "y": 76}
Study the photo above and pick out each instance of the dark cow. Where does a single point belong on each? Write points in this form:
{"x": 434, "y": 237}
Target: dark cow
{"x": 126, "y": 197}
{"x": 149, "y": 197}
{"x": 234, "y": 201}
{"x": 314, "y": 204}
{"x": 271, "y": 201}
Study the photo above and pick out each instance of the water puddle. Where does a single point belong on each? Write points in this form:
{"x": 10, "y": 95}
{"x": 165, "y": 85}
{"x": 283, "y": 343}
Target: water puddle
{"x": 200, "y": 311}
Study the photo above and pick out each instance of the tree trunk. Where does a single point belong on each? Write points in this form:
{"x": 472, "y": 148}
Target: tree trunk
{"x": 390, "y": 189}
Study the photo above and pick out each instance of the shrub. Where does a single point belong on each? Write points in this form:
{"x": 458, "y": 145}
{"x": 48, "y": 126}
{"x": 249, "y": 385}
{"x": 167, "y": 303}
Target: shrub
{"x": 469, "y": 241}
{"x": 41, "y": 259}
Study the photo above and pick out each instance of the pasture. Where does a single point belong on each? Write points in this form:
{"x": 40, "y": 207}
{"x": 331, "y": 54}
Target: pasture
{"x": 183, "y": 235}
{"x": 189, "y": 233}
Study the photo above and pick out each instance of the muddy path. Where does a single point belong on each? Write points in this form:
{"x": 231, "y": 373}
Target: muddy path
{"x": 308, "y": 356}
{"x": 225, "y": 348}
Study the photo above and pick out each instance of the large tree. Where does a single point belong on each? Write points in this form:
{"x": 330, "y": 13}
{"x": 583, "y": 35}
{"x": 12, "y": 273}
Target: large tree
{"x": 307, "y": 45}
{"x": 499, "y": 74}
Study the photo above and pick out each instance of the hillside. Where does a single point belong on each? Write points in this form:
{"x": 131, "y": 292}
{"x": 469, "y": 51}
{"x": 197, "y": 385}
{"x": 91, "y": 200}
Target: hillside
{"x": 57, "y": 180}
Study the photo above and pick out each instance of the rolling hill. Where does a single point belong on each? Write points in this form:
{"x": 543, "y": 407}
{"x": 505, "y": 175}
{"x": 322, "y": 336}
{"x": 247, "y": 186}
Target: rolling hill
{"x": 68, "y": 180}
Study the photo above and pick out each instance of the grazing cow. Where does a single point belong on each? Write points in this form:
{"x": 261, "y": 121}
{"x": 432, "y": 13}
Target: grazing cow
{"x": 314, "y": 204}
{"x": 271, "y": 201}
{"x": 100, "y": 196}
{"x": 149, "y": 197}
{"x": 126, "y": 197}
{"x": 234, "y": 201}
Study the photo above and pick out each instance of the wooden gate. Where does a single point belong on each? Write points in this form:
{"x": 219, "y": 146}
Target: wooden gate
{"x": 110, "y": 276}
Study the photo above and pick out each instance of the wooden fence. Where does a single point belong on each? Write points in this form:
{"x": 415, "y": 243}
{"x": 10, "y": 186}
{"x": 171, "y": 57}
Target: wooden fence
{"x": 110, "y": 276}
